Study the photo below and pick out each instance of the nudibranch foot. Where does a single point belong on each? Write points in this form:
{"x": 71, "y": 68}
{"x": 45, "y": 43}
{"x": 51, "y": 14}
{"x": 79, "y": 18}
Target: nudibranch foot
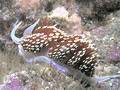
{"x": 48, "y": 61}
{"x": 39, "y": 59}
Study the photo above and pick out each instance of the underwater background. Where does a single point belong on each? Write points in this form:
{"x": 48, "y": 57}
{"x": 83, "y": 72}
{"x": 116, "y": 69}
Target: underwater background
{"x": 97, "y": 20}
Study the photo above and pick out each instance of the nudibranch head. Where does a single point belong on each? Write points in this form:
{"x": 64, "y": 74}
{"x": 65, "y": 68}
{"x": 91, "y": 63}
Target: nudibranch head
{"x": 17, "y": 40}
{"x": 27, "y": 31}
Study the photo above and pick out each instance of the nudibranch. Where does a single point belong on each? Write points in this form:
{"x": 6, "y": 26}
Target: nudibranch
{"x": 69, "y": 52}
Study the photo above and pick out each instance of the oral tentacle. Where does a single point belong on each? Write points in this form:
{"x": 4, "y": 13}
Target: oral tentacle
{"x": 30, "y": 29}
{"x": 13, "y": 37}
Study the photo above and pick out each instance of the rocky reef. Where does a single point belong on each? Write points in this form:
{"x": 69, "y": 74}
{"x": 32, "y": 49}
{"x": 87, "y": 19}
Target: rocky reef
{"x": 96, "y": 20}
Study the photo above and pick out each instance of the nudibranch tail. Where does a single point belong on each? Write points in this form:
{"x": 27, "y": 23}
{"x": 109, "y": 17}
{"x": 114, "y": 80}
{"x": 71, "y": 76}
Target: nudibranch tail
{"x": 13, "y": 37}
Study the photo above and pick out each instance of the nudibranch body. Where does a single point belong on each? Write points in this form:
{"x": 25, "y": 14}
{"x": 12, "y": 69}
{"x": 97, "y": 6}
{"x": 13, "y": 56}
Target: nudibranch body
{"x": 69, "y": 53}
{"x": 72, "y": 52}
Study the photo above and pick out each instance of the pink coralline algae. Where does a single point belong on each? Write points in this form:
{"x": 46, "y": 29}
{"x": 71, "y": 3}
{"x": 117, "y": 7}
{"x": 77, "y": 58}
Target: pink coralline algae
{"x": 13, "y": 83}
{"x": 114, "y": 53}
{"x": 74, "y": 25}
{"x": 28, "y": 4}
